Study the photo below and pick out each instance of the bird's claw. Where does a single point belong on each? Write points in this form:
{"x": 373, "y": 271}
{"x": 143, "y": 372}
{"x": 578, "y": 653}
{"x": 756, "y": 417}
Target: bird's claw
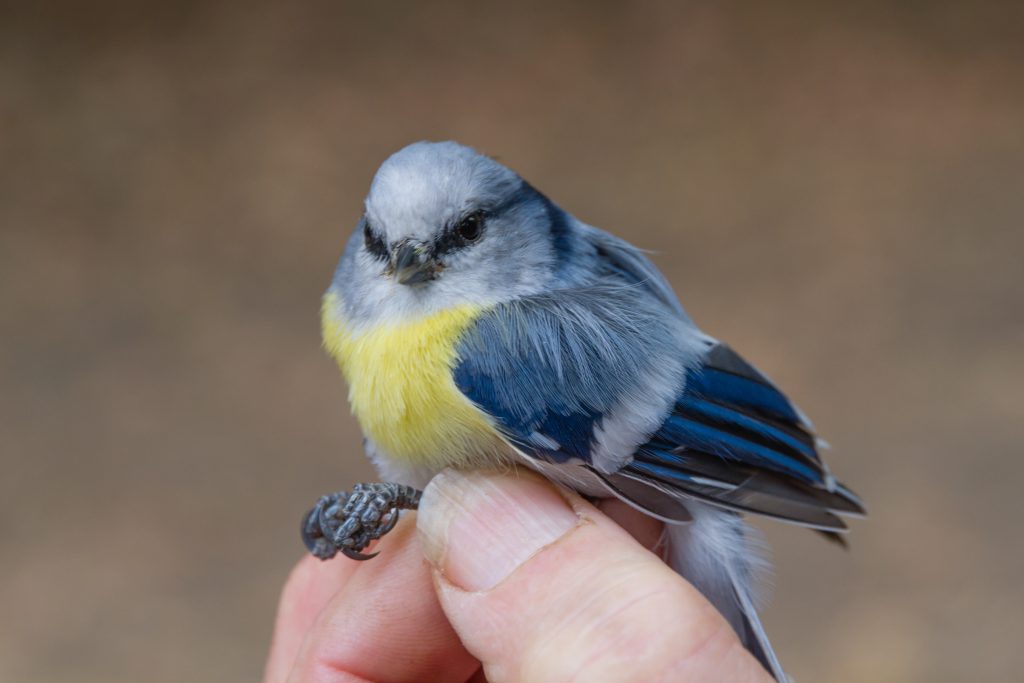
{"x": 348, "y": 521}
{"x": 356, "y": 555}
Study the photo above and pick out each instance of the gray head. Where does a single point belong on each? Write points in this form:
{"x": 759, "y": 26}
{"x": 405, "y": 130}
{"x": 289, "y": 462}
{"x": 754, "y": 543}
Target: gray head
{"x": 445, "y": 225}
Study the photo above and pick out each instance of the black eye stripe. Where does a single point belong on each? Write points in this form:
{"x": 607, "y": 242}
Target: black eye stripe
{"x": 375, "y": 246}
{"x": 462, "y": 233}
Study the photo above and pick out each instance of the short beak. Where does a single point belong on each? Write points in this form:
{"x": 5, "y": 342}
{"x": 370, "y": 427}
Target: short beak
{"x": 411, "y": 263}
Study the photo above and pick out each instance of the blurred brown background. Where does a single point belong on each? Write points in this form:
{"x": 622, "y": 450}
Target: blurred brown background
{"x": 835, "y": 188}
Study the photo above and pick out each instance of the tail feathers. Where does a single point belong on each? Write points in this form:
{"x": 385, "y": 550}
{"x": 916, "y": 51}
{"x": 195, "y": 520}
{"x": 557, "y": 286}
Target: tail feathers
{"x": 753, "y": 635}
{"x": 713, "y": 553}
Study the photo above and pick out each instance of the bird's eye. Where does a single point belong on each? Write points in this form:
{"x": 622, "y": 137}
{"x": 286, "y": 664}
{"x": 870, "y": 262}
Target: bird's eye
{"x": 471, "y": 227}
{"x": 374, "y": 244}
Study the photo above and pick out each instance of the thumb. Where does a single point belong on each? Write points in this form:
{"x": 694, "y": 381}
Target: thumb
{"x": 541, "y": 586}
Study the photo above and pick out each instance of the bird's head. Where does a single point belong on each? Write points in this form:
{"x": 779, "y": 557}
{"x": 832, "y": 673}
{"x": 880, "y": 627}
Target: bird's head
{"x": 444, "y": 225}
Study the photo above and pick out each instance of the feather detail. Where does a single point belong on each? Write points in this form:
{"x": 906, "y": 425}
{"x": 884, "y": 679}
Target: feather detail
{"x": 717, "y": 555}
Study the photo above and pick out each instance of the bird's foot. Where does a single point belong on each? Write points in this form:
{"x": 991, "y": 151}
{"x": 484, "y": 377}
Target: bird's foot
{"x": 347, "y": 521}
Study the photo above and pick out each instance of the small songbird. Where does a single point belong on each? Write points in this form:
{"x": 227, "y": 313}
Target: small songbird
{"x": 478, "y": 325}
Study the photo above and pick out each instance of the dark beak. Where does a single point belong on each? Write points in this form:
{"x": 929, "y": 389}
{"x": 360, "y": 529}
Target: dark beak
{"x": 412, "y": 263}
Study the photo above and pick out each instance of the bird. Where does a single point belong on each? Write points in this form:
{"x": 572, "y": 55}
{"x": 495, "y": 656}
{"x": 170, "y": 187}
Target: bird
{"x": 480, "y": 325}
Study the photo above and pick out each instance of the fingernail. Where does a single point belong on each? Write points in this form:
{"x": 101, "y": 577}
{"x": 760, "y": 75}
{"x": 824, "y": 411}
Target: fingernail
{"x": 477, "y": 528}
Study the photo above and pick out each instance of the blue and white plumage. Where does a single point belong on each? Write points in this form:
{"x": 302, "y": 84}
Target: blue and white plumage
{"x": 479, "y": 324}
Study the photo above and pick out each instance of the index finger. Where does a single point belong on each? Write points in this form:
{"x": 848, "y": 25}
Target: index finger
{"x": 383, "y": 623}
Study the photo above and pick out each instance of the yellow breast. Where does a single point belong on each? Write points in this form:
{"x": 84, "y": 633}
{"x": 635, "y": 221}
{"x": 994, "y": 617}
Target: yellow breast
{"x": 401, "y": 387}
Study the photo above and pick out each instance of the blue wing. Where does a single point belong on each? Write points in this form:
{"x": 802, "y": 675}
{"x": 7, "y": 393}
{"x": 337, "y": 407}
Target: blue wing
{"x": 558, "y": 372}
{"x": 729, "y": 437}
{"x": 734, "y": 439}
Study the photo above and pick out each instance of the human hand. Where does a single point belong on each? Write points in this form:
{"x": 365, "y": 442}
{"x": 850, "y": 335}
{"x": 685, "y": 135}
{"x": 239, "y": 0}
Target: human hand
{"x": 521, "y": 583}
